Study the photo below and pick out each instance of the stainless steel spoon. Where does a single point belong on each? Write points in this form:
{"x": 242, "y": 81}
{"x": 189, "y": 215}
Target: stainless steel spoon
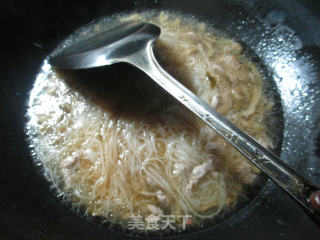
{"x": 133, "y": 43}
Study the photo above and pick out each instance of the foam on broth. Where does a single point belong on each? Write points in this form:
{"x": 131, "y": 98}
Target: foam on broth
{"x": 113, "y": 143}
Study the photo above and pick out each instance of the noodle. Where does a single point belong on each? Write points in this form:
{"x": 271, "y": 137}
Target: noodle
{"x": 118, "y": 166}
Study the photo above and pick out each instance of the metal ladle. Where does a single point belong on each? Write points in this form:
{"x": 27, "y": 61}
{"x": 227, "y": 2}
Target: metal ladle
{"x": 133, "y": 43}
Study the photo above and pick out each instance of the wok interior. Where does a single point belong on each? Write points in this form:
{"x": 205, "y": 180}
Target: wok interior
{"x": 289, "y": 65}
{"x": 142, "y": 94}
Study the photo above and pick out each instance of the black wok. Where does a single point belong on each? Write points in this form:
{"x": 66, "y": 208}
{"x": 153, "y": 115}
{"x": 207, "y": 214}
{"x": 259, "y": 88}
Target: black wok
{"x": 282, "y": 36}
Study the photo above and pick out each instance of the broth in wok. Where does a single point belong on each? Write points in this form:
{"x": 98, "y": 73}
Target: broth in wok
{"x": 146, "y": 161}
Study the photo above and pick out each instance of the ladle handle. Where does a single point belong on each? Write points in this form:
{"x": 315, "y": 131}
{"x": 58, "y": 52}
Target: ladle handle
{"x": 302, "y": 190}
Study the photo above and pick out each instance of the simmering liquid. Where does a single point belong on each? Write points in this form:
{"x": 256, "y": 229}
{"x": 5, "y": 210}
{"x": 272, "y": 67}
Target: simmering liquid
{"x": 113, "y": 142}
